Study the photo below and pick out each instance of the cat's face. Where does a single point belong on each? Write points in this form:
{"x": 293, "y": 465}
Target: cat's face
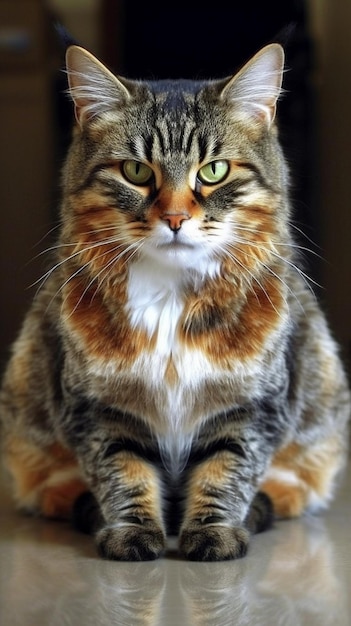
{"x": 181, "y": 172}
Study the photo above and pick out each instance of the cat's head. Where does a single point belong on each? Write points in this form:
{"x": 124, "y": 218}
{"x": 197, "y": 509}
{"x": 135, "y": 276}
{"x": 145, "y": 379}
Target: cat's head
{"x": 182, "y": 172}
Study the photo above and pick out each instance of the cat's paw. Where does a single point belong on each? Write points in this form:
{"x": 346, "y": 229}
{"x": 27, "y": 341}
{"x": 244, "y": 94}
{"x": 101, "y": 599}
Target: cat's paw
{"x": 130, "y": 543}
{"x": 214, "y": 543}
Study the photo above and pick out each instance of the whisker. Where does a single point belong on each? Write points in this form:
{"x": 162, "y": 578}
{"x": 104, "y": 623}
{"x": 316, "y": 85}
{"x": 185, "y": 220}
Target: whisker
{"x": 58, "y": 246}
{"x": 80, "y": 270}
{"x": 253, "y": 277}
{"x": 257, "y": 230}
{"x": 43, "y": 279}
{"x": 96, "y": 278}
{"x": 49, "y": 232}
{"x": 307, "y": 279}
{"x": 278, "y": 243}
{"x": 301, "y": 232}
{"x": 269, "y": 269}
{"x": 283, "y": 282}
{"x": 303, "y": 275}
{"x": 137, "y": 245}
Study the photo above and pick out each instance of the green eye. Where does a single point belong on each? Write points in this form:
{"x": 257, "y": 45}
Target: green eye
{"x": 136, "y": 172}
{"x": 213, "y": 172}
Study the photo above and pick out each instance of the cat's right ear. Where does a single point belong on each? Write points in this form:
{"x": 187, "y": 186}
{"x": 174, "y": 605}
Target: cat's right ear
{"x": 93, "y": 88}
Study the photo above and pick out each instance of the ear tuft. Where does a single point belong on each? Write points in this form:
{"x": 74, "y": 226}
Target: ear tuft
{"x": 256, "y": 88}
{"x": 93, "y": 88}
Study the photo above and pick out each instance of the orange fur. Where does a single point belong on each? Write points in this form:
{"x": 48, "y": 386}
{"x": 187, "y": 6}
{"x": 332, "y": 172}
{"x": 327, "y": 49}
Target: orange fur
{"x": 314, "y": 469}
{"x": 57, "y": 501}
{"x": 45, "y": 479}
{"x": 259, "y": 315}
{"x": 288, "y": 500}
{"x": 89, "y": 201}
{"x": 175, "y": 201}
{"x": 104, "y": 336}
{"x": 140, "y": 475}
{"x": 171, "y": 376}
{"x": 210, "y": 474}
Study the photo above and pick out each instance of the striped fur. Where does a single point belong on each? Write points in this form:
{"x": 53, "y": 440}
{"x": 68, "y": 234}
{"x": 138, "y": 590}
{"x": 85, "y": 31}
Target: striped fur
{"x": 174, "y": 373}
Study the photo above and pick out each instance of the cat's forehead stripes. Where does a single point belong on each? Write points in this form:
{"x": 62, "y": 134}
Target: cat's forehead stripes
{"x": 174, "y": 126}
{"x": 170, "y": 137}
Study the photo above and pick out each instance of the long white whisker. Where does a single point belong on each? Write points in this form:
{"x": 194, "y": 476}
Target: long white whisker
{"x": 58, "y": 246}
{"x": 301, "y": 232}
{"x": 303, "y": 275}
{"x": 136, "y": 245}
{"x": 283, "y": 282}
{"x": 78, "y": 271}
{"x": 82, "y": 268}
{"x": 43, "y": 279}
{"x": 257, "y": 230}
{"x": 278, "y": 243}
{"x": 307, "y": 279}
{"x": 48, "y": 233}
{"x": 269, "y": 269}
{"x": 253, "y": 277}
{"x": 110, "y": 263}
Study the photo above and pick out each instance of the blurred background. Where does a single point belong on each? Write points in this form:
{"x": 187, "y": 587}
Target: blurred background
{"x": 174, "y": 39}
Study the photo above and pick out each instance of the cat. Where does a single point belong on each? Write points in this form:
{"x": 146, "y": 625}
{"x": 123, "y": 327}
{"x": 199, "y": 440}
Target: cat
{"x": 175, "y": 374}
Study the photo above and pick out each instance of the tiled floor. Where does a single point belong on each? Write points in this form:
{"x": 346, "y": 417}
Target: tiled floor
{"x": 299, "y": 573}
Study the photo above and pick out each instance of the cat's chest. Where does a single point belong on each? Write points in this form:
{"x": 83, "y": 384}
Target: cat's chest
{"x": 170, "y": 367}
{"x": 155, "y": 304}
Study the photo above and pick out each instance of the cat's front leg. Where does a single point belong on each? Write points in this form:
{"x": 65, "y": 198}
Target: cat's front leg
{"x": 223, "y": 507}
{"x": 119, "y": 462}
{"x": 128, "y": 521}
{"x": 124, "y": 509}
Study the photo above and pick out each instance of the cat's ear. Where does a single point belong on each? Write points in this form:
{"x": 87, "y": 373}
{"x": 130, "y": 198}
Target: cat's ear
{"x": 256, "y": 87}
{"x": 93, "y": 88}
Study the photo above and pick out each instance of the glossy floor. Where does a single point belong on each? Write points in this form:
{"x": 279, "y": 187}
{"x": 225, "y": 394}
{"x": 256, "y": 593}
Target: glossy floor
{"x": 299, "y": 573}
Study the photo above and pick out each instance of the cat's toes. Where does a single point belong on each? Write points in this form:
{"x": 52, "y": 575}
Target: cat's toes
{"x": 214, "y": 543}
{"x": 130, "y": 543}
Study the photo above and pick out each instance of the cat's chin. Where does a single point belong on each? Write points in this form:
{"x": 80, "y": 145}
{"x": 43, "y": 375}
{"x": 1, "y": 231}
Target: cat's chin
{"x": 183, "y": 256}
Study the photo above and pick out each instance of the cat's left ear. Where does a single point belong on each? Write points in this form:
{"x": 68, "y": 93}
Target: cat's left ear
{"x": 256, "y": 87}
{"x": 93, "y": 88}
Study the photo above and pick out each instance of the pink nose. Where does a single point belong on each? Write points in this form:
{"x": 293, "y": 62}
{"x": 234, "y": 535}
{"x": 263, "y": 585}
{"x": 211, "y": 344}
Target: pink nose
{"x": 175, "y": 220}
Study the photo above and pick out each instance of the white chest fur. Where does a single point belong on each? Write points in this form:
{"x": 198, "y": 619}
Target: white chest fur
{"x": 156, "y": 303}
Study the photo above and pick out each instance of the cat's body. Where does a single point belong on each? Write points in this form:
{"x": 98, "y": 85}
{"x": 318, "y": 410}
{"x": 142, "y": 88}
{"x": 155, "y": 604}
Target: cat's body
{"x": 174, "y": 363}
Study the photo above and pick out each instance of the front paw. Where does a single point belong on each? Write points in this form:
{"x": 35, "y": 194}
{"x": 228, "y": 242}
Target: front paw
{"x": 214, "y": 543}
{"x": 130, "y": 543}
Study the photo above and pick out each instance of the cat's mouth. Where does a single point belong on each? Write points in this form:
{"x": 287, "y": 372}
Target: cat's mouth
{"x": 177, "y": 241}
{"x": 181, "y": 249}
{"x": 176, "y": 244}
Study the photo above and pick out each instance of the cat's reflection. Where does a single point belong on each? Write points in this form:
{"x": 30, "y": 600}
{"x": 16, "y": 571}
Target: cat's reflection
{"x": 47, "y": 583}
{"x": 291, "y": 582}
{"x": 294, "y": 583}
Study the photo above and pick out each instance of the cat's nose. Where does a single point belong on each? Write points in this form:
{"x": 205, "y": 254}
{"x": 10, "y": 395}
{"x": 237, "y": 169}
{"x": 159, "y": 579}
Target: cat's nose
{"x": 175, "y": 220}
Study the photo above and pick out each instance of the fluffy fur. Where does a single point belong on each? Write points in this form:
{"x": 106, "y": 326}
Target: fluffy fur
{"x": 175, "y": 373}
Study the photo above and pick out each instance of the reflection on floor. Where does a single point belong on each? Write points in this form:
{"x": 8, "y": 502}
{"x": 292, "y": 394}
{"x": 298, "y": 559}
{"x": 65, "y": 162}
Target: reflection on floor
{"x": 299, "y": 573}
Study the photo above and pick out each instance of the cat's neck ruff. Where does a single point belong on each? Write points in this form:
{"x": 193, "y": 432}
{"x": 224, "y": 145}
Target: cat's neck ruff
{"x": 156, "y": 296}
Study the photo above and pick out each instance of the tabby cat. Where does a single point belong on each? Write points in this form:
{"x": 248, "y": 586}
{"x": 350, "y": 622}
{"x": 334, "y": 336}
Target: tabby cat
{"x": 175, "y": 374}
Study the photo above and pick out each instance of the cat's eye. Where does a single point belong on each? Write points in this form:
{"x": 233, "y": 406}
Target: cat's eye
{"x": 213, "y": 172}
{"x": 136, "y": 172}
